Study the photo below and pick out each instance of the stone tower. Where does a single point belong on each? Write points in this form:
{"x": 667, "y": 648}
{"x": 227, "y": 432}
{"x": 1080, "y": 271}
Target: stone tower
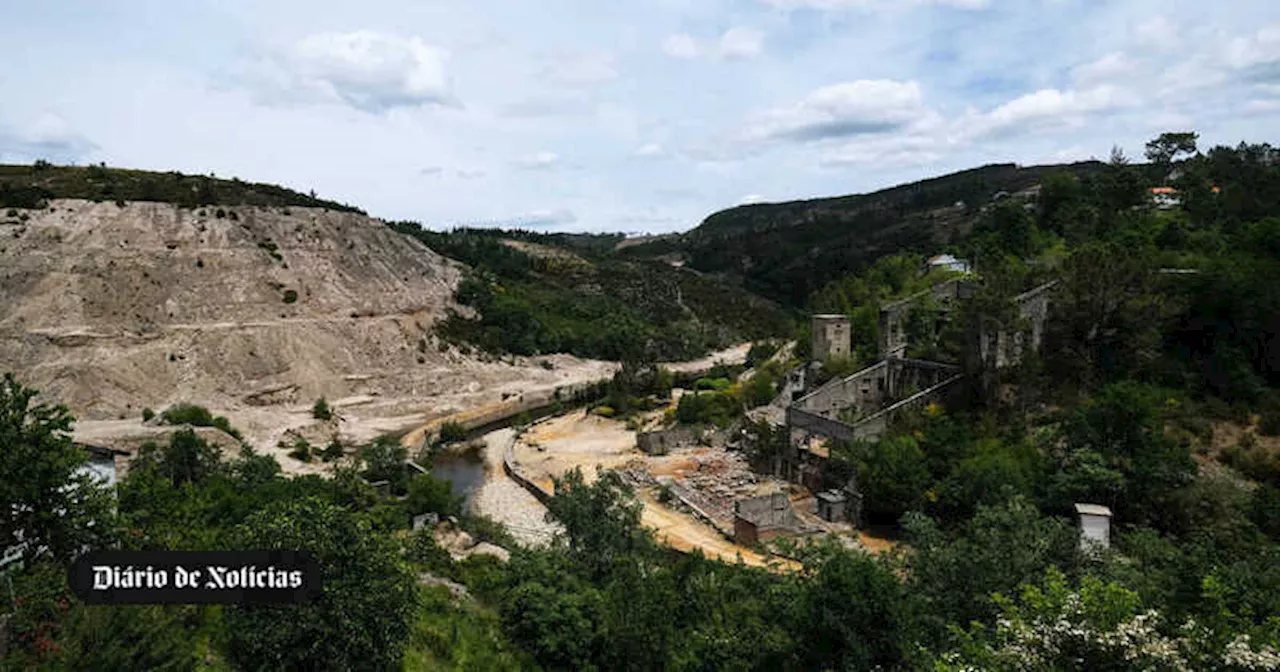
{"x": 831, "y": 337}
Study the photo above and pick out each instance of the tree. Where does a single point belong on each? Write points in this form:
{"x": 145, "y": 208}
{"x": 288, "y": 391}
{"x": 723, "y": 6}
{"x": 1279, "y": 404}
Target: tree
{"x": 321, "y": 410}
{"x": 1124, "y": 423}
{"x": 430, "y": 494}
{"x": 53, "y": 508}
{"x": 384, "y": 461}
{"x": 1163, "y": 150}
{"x": 601, "y": 520}
{"x": 361, "y": 619}
{"x": 998, "y": 549}
{"x": 893, "y": 476}
{"x": 189, "y": 458}
{"x": 855, "y": 615}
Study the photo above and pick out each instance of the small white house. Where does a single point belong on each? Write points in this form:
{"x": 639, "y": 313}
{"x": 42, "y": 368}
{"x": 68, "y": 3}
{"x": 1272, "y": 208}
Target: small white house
{"x": 948, "y": 262}
{"x": 1095, "y": 526}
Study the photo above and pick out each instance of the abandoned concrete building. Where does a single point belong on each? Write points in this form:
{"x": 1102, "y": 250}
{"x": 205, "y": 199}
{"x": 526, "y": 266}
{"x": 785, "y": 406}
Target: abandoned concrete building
{"x": 832, "y": 335}
{"x": 661, "y": 442}
{"x": 863, "y": 405}
{"x": 1095, "y": 526}
{"x": 763, "y": 518}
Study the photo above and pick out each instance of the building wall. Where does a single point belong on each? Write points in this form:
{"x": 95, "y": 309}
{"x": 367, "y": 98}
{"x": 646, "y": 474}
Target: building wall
{"x": 744, "y": 531}
{"x": 662, "y": 441}
{"x": 893, "y": 316}
{"x": 1095, "y": 530}
{"x": 832, "y": 335}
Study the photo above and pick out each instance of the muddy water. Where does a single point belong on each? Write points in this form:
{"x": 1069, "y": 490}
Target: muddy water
{"x": 464, "y": 471}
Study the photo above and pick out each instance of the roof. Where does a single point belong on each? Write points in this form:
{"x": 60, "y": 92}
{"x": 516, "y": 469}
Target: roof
{"x": 943, "y": 259}
{"x": 1163, "y": 190}
{"x": 833, "y": 496}
{"x": 1093, "y": 510}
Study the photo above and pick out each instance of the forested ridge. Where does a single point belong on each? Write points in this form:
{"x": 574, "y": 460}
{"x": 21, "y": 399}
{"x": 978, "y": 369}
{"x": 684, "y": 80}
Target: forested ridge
{"x": 1154, "y": 394}
{"x": 573, "y": 294}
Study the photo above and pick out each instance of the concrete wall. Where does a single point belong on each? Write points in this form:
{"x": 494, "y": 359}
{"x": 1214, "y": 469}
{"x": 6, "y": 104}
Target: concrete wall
{"x": 1001, "y": 347}
{"x": 874, "y": 387}
{"x": 893, "y": 316}
{"x": 832, "y": 335}
{"x": 662, "y": 441}
{"x": 872, "y": 428}
{"x": 865, "y": 389}
{"x": 761, "y": 518}
{"x": 1095, "y": 531}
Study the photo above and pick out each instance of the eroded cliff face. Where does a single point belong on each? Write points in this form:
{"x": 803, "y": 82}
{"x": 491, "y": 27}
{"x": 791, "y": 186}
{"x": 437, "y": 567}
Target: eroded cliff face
{"x": 109, "y": 309}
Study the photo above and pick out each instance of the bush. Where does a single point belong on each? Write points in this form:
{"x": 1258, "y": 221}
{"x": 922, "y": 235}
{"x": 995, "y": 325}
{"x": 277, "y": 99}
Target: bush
{"x": 452, "y": 431}
{"x": 147, "y": 414}
{"x": 333, "y": 451}
{"x": 290, "y": 296}
{"x": 197, "y": 416}
{"x": 761, "y": 352}
{"x": 321, "y": 410}
{"x": 604, "y": 411}
{"x": 301, "y": 450}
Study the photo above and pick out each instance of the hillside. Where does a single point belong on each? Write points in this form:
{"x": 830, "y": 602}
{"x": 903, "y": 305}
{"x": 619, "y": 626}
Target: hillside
{"x": 535, "y": 294}
{"x": 786, "y": 251}
{"x": 252, "y": 311}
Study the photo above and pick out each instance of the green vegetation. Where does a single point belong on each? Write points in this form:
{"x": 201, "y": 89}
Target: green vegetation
{"x": 300, "y": 449}
{"x": 147, "y": 414}
{"x": 197, "y": 416}
{"x": 788, "y": 251}
{"x": 31, "y": 186}
{"x": 1138, "y": 371}
{"x": 585, "y": 301}
{"x": 321, "y": 411}
{"x": 451, "y": 432}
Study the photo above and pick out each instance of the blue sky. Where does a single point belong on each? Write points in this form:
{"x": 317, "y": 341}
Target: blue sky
{"x": 611, "y": 116}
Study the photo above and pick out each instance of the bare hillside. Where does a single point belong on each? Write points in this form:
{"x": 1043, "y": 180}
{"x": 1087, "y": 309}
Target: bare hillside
{"x": 254, "y": 311}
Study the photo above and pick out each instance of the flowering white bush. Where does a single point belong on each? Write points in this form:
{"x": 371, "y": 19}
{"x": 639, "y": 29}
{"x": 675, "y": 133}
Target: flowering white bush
{"x": 1099, "y": 626}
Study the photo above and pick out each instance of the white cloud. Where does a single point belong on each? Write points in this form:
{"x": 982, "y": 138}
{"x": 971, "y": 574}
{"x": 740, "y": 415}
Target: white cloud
{"x": 1115, "y": 66}
{"x": 432, "y": 171}
{"x": 581, "y": 70}
{"x": 1262, "y": 107}
{"x": 1261, "y": 48}
{"x": 364, "y": 69}
{"x": 538, "y": 161}
{"x": 750, "y": 199}
{"x": 543, "y": 218}
{"x": 470, "y": 173}
{"x": 843, "y": 110}
{"x": 1157, "y": 32}
{"x": 651, "y": 149}
{"x": 1046, "y": 109}
{"x": 890, "y": 151}
{"x": 681, "y": 46}
{"x": 48, "y": 136}
{"x": 741, "y": 43}
{"x": 876, "y": 4}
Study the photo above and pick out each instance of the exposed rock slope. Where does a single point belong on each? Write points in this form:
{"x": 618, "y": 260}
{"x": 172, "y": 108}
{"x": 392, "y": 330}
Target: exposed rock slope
{"x": 109, "y": 309}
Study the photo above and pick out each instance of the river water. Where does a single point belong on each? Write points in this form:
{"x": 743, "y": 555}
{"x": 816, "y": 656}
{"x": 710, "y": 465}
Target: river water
{"x": 464, "y": 471}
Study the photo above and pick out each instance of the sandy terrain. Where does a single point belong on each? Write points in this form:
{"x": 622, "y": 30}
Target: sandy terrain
{"x": 579, "y": 440}
{"x": 508, "y": 502}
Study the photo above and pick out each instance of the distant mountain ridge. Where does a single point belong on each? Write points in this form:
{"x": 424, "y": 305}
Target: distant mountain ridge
{"x": 785, "y": 251}
{"x": 28, "y": 186}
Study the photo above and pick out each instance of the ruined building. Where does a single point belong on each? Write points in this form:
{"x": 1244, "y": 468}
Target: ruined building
{"x": 863, "y": 405}
{"x": 762, "y": 518}
{"x": 832, "y": 335}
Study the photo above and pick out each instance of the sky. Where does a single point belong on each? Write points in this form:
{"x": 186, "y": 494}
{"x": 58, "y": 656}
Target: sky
{"x": 640, "y": 116}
